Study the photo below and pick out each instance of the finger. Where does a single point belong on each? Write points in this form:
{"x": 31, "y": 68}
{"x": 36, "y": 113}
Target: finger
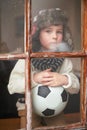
{"x": 49, "y": 83}
{"x": 48, "y": 70}
{"x": 48, "y": 79}
{"x": 47, "y": 75}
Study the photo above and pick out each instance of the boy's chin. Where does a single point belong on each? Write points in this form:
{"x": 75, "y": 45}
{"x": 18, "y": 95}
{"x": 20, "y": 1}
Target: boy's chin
{"x": 59, "y": 47}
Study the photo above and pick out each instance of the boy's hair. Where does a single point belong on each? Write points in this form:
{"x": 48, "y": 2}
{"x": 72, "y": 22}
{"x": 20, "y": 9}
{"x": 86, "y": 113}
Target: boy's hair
{"x": 46, "y": 18}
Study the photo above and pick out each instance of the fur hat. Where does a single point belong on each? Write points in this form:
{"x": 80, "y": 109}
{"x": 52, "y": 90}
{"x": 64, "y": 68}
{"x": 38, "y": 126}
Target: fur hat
{"x": 46, "y": 18}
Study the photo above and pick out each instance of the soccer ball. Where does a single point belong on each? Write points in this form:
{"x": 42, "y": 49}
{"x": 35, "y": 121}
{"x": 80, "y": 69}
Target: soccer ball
{"x": 48, "y": 101}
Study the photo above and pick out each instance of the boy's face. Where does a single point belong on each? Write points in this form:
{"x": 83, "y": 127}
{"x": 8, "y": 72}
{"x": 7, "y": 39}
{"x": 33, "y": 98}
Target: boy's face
{"x": 51, "y": 36}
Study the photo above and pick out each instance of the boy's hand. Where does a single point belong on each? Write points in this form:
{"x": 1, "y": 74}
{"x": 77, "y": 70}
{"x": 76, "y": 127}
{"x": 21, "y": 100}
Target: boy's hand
{"x": 39, "y": 77}
{"x": 49, "y": 78}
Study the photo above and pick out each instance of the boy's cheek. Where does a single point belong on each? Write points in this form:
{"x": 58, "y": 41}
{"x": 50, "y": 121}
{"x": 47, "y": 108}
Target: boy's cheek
{"x": 59, "y": 39}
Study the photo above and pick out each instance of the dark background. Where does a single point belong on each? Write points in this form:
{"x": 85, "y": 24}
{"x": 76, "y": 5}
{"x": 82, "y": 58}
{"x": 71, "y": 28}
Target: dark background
{"x": 7, "y": 102}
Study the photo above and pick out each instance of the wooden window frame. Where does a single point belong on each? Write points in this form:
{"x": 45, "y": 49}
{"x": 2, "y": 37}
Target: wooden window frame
{"x": 82, "y": 54}
{"x": 27, "y": 55}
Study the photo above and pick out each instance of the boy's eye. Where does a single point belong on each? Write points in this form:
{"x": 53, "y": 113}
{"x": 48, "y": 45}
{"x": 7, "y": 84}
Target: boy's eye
{"x": 51, "y": 31}
{"x": 59, "y": 32}
{"x": 48, "y": 31}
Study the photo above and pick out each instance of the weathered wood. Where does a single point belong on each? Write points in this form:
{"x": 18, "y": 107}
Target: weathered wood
{"x": 61, "y": 54}
{"x": 84, "y": 19}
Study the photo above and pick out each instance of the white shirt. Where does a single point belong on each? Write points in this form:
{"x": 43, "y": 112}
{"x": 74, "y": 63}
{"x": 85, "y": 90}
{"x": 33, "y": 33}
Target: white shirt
{"x": 17, "y": 77}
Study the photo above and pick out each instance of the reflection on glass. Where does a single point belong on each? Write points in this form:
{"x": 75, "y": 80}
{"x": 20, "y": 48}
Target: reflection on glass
{"x": 12, "y": 26}
{"x": 50, "y": 75}
{"x": 65, "y": 22}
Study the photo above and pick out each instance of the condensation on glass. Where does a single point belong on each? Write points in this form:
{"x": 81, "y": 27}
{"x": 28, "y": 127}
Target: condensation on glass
{"x": 38, "y": 98}
{"x": 11, "y": 26}
{"x": 73, "y": 12}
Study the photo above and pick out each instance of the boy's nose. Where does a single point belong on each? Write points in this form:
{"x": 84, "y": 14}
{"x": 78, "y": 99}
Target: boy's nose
{"x": 54, "y": 36}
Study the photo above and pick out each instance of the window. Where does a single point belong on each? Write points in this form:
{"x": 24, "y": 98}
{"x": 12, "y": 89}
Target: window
{"x": 77, "y": 56}
{"x": 16, "y": 43}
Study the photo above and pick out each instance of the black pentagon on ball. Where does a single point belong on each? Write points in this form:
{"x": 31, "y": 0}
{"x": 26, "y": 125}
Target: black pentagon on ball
{"x": 48, "y": 112}
{"x": 43, "y": 91}
{"x": 64, "y": 96}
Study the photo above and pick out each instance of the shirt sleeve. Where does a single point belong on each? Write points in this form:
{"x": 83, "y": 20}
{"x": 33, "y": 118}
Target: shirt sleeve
{"x": 73, "y": 85}
{"x": 17, "y": 78}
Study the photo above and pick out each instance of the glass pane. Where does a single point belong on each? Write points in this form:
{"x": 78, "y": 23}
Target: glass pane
{"x": 11, "y": 98}
{"x": 52, "y": 97}
{"x": 56, "y": 12}
{"x": 11, "y": 26}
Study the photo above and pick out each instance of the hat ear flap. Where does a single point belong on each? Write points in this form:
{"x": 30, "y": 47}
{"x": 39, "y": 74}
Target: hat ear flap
{"x": 34, "y": 29}
{"x": 68, "y": 37}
